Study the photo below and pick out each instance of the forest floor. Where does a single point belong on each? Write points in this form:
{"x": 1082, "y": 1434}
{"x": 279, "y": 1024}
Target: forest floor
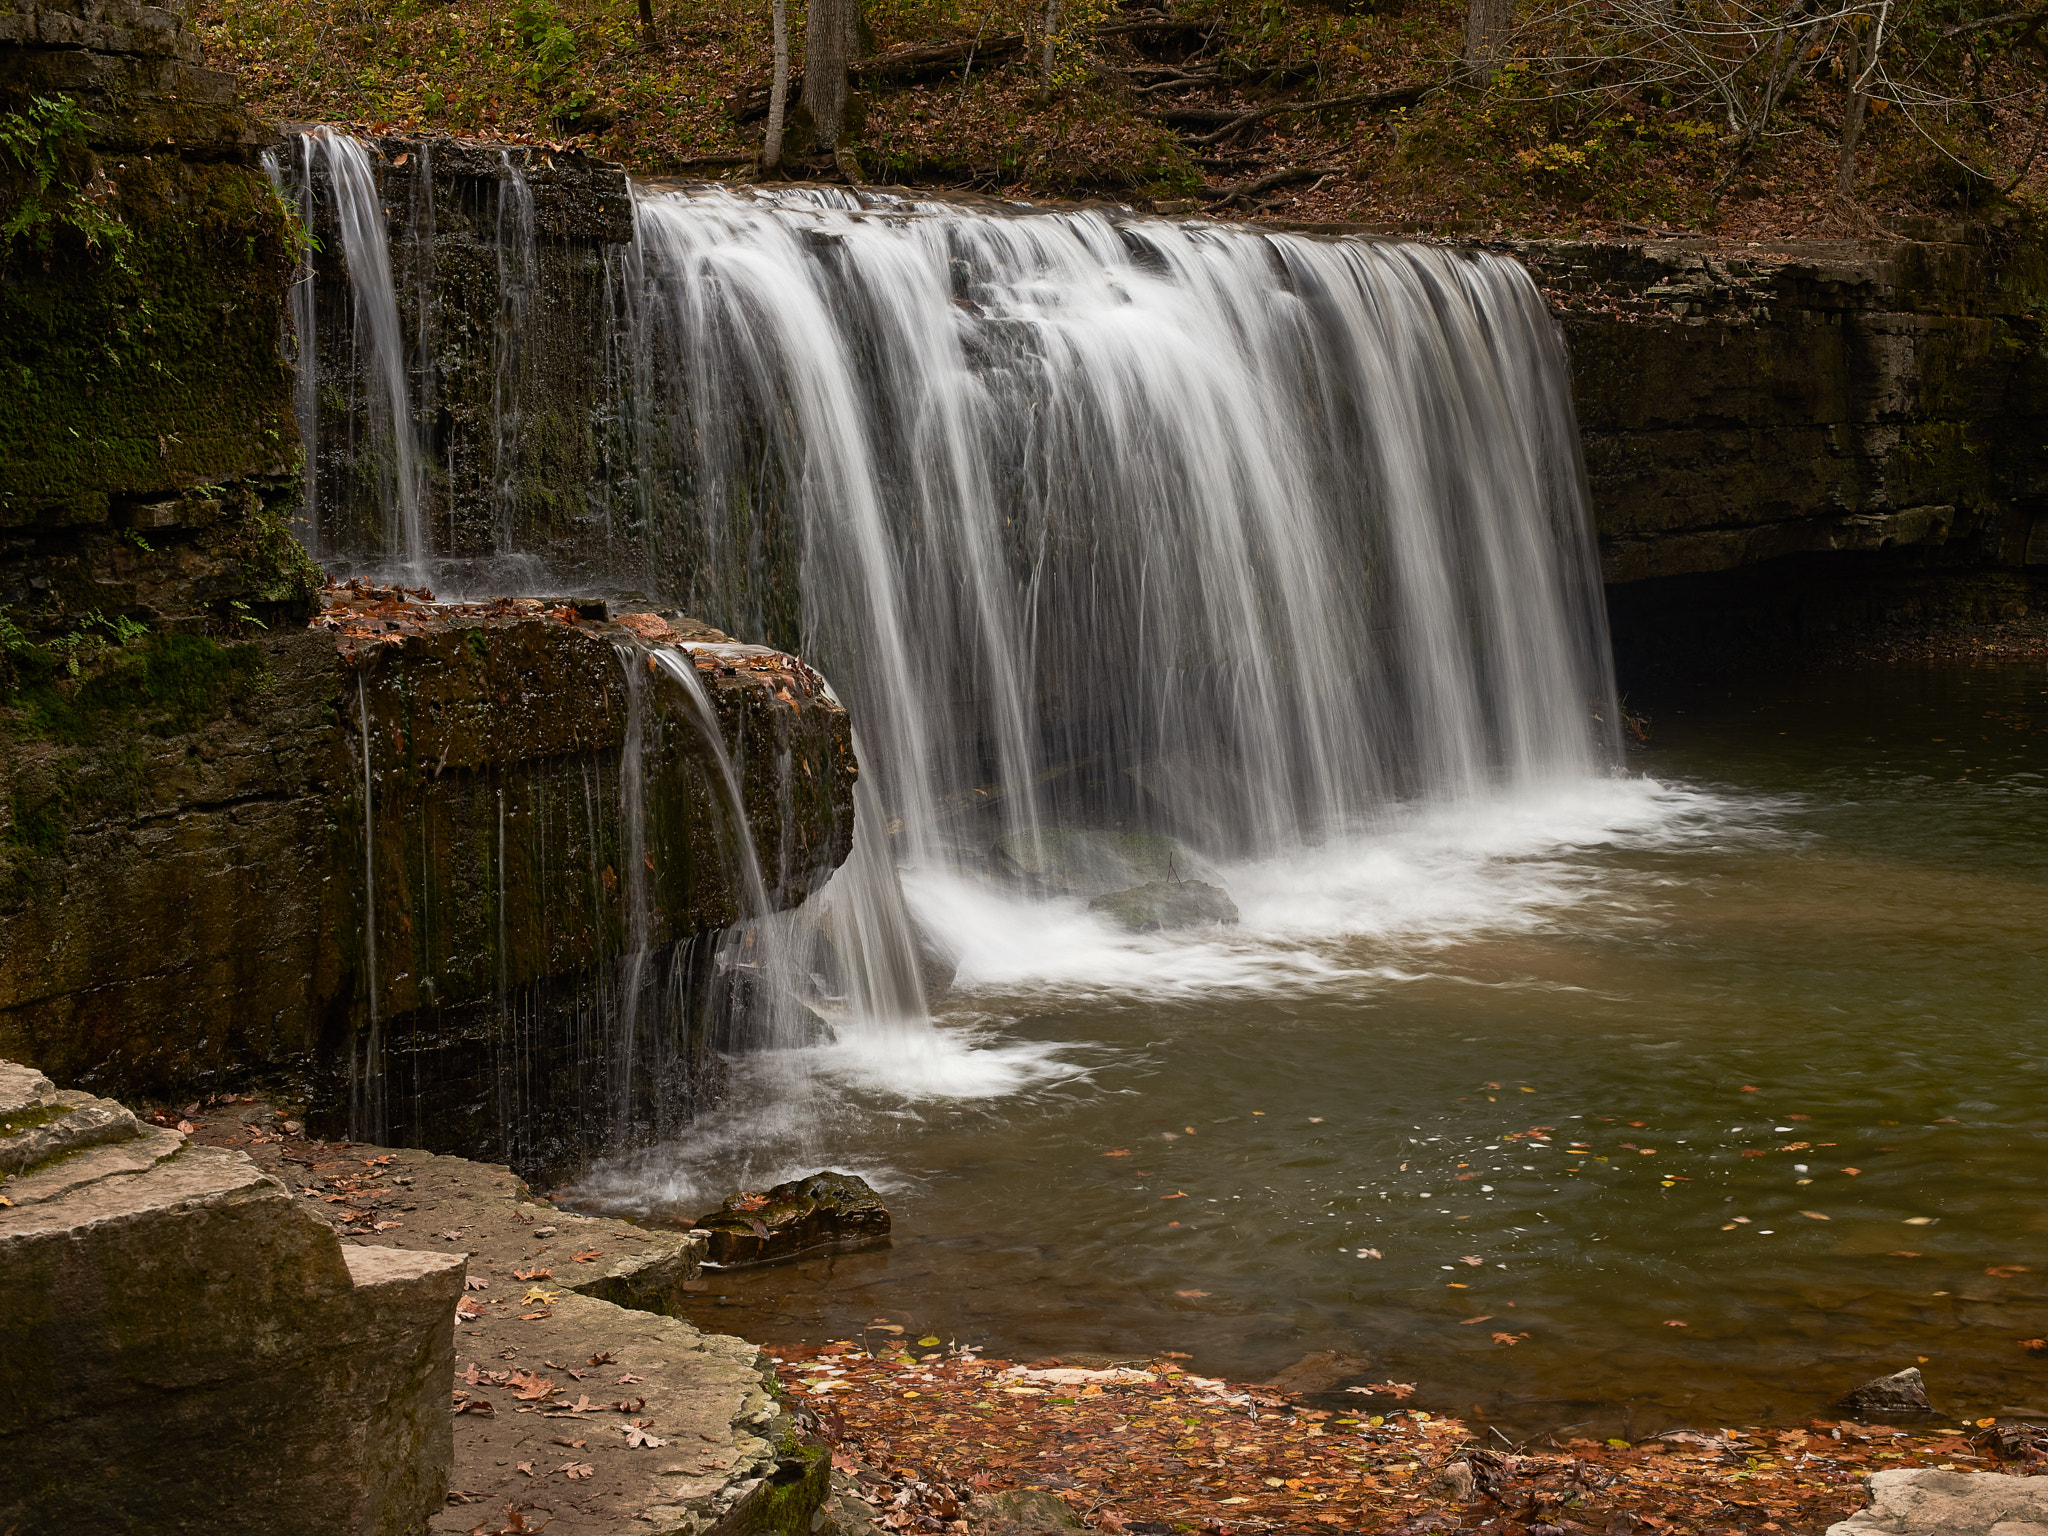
{"x": 924, "y": 1428}
{"x": 1321, "y": 111}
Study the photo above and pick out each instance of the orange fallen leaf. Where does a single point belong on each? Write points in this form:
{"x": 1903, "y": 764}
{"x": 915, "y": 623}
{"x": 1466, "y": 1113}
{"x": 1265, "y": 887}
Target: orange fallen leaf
{"x": 1672, "y": 1322}
{"x": 531, "y": 1388}
{"x": 1119, "y": 1152}
{"x": 2005, "y": 1271}
{"x": 1852, "y": 1172}
{"x": 1902, "y": 1253}
{"x": 1466, "y": 1322}
{"x": 587, "y": 1256}
{"x": 1815, "y": 1216}
{"x": 1178, "y": 1194}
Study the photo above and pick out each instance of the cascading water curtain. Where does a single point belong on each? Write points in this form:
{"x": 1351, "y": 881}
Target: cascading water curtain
{"x": 1212, "y": 531}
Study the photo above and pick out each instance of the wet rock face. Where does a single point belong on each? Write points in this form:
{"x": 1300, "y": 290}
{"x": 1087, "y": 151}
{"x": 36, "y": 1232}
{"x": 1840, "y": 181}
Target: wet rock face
{"x": 1162, "y": 904}
{"x": 1738, "y": 405}
{"x": 390, "y": 865}
{"x": 190, "y": 1350}
{"x": 824, "y": 1213}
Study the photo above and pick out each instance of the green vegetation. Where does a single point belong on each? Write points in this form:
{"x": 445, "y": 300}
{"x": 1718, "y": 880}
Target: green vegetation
{"x": 112, "y": 677}
{"x": 56, "y": 184}
{"x": 1581, "y": 114}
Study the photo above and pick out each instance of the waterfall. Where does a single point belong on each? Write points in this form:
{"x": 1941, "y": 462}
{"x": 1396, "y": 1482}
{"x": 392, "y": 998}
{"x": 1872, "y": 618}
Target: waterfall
{"x": 1229, "y": 541}
{"x": 1120, "y": 523}
{"x": 360, "y": 217}
{"x": 516, "y": 262}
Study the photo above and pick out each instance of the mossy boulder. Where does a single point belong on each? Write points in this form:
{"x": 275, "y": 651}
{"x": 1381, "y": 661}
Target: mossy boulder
{"x": 825, "y": 1213}
{"x": 1067, "y": 861}
{"x": 1162, "y": 904}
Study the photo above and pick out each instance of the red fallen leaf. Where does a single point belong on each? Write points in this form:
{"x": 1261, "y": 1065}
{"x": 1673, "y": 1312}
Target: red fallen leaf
{"x": 1672, "y": 1322}
{"x": 482, "y": 1407}
{"x": 1902, "y": 1253}
{"x": 2005, "y": 1271}
{"x": 587, "y": 1256}
{"x": 1747, "y": 1089}
{"x": 1756, "y": 1152}
{"x": 533, "y": 1274}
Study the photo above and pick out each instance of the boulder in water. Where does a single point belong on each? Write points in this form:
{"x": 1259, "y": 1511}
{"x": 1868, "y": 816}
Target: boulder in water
{"x": 1065, "y": 861}
{"x": 1166, "y": 904}
{"x": 1901, "y": 1393}
{"x": 825, "y": 1213}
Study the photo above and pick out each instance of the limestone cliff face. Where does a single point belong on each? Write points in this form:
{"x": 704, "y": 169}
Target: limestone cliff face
{"x": 398, "y": 873}
{"x": 1743, "y": 404}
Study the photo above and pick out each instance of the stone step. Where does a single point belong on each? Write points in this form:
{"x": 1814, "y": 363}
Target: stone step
{"x": 60, "y": 1174}
{"x": 39, "y": 1121}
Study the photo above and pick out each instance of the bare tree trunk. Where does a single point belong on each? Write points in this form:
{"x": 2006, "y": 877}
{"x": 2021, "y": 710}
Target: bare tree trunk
{"x": 1052, "y": 27}
{"x": 1487, "y": 23}
{"x": 778, "y": 93}
{"x": 1852, "y": 117}
{"x": 828, "y": 49}
{"x": 648, "y": 36}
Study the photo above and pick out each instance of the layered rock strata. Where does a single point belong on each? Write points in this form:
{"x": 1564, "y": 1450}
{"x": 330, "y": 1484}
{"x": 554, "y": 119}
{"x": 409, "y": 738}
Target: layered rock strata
{"x": 453, "y": 873}
{"x": 185, "y": 1348}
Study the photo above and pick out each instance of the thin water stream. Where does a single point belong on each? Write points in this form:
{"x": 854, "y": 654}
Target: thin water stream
{"x": 1750, "y": 1045}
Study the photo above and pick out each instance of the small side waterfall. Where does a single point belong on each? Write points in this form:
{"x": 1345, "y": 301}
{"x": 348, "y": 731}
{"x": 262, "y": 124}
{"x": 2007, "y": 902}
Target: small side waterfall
{"x": 380, "y": 335}
{"x": 516, "y": 263}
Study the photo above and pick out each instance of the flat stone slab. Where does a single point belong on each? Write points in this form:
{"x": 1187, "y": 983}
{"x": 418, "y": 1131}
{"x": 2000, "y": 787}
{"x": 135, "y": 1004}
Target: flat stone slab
{"x": 1927, "y": 1502}
{"x": 592, "y": 1416}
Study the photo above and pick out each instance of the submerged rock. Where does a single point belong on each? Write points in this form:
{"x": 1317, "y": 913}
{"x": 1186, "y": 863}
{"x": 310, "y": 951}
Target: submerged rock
{"x": 1064, "y": 861}
{"x": 1166, "y": 904}
{"x": 1322, "y": 1370}
{"x": 1901, "y": 1393}
{"x": 825, "y": 1213}
{"x": 1021, "y": 1512}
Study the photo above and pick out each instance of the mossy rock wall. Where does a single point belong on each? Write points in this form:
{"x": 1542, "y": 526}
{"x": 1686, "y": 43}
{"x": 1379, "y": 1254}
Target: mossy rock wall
{"x": 396, "y": 880}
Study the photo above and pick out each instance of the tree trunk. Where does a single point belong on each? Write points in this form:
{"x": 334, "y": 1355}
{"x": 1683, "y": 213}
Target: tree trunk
{"x": 1487, "y": 23}
{"x": 778, "y": 94}
{"x": 1852, "y": 117}
{"x": 1052, "y": 27}
{"x": 828, "y": 49}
